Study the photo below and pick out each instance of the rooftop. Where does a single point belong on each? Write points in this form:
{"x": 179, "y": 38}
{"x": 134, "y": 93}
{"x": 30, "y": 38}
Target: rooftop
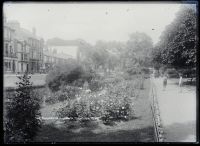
{"x": 20, "y": 32}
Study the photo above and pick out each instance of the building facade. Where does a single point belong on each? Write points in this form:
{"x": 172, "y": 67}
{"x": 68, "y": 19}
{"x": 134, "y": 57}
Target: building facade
{"x": 10, "y": 52}
{"x": 23, "y": 50}
{"x": 52, "y": 58}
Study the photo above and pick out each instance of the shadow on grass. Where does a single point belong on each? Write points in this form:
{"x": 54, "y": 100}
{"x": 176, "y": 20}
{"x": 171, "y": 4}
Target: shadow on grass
{"x": 49, "y": 133}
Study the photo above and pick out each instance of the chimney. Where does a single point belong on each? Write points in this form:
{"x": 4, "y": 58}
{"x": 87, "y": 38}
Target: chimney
{"x": 34, "y": 31}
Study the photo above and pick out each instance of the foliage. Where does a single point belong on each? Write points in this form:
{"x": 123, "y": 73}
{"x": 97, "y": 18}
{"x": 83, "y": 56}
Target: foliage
{"x": 103, "y": 55}
{"x": 55, "y": 76}
{"x": 113, "y": 103}
{"x": 118, "y": 104}
{"x": 172, "y": 73}
{"x": 22, "y": 119}
{"x": 69, "y": 74}
{"x": 65, "y": 93}
{"x": 137, "y": 50}
{"x": 178, "y": 43}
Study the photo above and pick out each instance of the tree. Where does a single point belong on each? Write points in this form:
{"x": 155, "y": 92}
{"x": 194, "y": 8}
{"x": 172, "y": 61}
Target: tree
{"x": 22, "y": 118}
{"x": 178, "y": 43}
{"x": 138, "y": 49}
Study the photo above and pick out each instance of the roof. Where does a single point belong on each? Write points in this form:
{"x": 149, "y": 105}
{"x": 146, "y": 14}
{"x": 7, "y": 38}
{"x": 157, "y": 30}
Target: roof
{"x": 25, "y": 34}
{"x": 21, "y": 33}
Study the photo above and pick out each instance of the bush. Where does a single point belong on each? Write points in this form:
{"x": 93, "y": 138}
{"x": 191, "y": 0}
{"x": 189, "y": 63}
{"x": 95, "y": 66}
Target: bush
{"x": 118, "y": 104}
{"x": 95, "y": 85}
{"x": 23, "y": 112}
{"x": 81, "y": 109}
{"x": 133, "y": 71}
{"x": 188, "y": 73}
{"x": 70, "y": 74}
{"x": 65, "y": 93}
{"x": 113, "y": 105}
{"x": 145, "y": 70}
{"x": 172, "y": 73}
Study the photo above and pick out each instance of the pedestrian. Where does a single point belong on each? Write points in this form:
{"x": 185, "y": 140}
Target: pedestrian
{"x": 180, "y": 82}
{"x": 165, "y": 81}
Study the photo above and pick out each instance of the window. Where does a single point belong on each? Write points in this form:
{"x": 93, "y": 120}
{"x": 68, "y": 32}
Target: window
{"x": 6, "y": 47}
{"x": 25, "y": 57}
{"x": 9, "y": 65}
{"x": 6, "y": 66}
{"x": 19, "y": 47}
{"x": 21, "y": 56}
{"x": 22, "y": 66}
{"x": 11, "y": 51}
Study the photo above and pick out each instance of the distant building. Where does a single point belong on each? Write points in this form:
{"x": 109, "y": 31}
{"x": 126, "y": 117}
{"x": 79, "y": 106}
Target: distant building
{"x": 52, "y": 58}
{"x": 25, "y": 51}
{"x": 10, "y": 52}
{"x": 28, "y": 49}
{"x": 70, "y": 50}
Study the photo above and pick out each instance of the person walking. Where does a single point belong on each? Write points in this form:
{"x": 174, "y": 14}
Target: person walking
{"x": 165, "y": 81}
{"x": 180, "y": 82}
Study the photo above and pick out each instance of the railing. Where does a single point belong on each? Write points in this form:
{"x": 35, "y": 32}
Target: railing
{"x": 158, "y": 130}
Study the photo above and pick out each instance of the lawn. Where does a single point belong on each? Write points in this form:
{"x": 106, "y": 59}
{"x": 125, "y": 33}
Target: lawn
{"x": 139, "y": 129}
{"x": 10, "y": 80}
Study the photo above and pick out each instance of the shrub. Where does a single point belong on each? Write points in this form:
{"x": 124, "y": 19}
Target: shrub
{"x": 113, "y": 105}
{"x": 70, "y": 111}
{"x": 70, "y": 74}
{"x": 145, "y": 70}
{"x": 78, "y": 109}
{"x": 22, "y": 119}
{"x": 65, "y": 93}
{"x": 118, "y": 104}
{"x": 95, "y": 85}
{"x": 172, "y": 73}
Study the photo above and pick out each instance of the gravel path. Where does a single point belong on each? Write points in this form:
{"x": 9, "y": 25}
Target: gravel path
{"x": 178, "y": 111}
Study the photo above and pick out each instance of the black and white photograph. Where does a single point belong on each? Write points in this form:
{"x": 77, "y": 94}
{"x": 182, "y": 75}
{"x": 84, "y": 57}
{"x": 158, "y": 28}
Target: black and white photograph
{"x": 99, "y": 72}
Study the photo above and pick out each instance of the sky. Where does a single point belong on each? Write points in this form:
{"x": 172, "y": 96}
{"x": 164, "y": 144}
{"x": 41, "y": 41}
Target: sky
{"x": 92, "y": 21}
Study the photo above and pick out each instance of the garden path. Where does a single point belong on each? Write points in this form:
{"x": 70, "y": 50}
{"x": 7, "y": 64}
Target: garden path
{"x": 177, "y": 111}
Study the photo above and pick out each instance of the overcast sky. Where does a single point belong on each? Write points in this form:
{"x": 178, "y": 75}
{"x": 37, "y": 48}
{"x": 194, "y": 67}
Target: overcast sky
{"x": 92, "y": 21}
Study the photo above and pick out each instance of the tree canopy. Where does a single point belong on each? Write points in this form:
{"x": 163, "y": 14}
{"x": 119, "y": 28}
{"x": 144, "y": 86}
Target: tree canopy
{"x": 138, "y": 49}
{"x": 178, "y": 43}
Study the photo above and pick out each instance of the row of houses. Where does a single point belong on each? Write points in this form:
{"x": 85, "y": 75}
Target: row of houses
{"x": 25, "y": 51}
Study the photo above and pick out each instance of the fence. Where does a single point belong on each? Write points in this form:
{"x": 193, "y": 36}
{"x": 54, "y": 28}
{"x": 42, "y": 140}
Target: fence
{"x": 158, "y": 129}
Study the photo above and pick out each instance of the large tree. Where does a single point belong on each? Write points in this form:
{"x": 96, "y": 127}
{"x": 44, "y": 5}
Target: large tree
{"x": 138, "y": 49}
{"x": 178, "y": 43}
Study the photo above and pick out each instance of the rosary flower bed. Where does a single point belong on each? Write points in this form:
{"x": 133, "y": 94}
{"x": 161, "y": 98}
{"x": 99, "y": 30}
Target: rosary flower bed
{"x": 114, "y": 103}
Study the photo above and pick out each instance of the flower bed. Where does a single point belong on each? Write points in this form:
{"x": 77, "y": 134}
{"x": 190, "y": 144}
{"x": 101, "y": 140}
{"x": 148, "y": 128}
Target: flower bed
{"x": 113, "y": 103}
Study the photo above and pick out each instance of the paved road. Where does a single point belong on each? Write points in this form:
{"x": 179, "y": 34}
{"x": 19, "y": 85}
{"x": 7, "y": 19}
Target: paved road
{"x": 177, "y": 111}
{"x": 37, "y": 79}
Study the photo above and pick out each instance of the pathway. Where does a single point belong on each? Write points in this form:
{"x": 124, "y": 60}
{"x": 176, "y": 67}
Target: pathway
{"x": 177, "y": 111}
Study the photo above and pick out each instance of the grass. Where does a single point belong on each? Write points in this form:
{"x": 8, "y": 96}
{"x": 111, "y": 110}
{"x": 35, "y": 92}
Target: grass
{"x": 139, "y": 129}
{"x": 9, "y": 81}
{"x": 50, "y": 133}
